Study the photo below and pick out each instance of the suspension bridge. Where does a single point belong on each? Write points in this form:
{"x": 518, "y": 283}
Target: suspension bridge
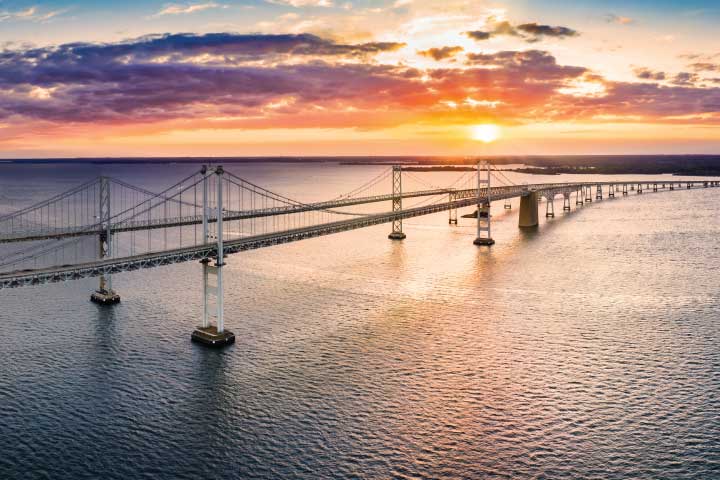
{"x": 107, "y": 226}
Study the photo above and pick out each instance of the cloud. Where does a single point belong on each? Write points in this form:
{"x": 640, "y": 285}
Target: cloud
{"x": 530, "y": 32}
{"x": 303, "y": 3}
{"x": 540, "y": 63}
{"x": 222, "y": 47}
{"x": 536, "y": 32}
{"x": 685, "y": 78}
{"x": 647, "y": 74}
{"x": 478, "y": 35}
{"x": 31, "y": 14}
{"x": 705, "y": 67}
{"x": 225, "y": 80}
{"x": 178, "y": 9}
{"x": 441, "y": 53}
{"x": 620, "y": 20}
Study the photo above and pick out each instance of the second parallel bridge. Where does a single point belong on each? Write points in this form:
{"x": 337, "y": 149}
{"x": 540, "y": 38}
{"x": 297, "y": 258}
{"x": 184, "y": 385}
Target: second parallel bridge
{"x": 496, "y": 193}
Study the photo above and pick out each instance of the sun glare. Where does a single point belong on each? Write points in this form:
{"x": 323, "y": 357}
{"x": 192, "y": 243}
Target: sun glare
{"x": 486, "y": 133}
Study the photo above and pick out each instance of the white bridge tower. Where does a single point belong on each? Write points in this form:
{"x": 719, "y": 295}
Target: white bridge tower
{"x": 484, "y": 216}
{"x": 206, "y": 333}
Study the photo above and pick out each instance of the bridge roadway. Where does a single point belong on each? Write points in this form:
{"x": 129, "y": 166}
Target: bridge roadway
{"x": 151, "y": 224}
{"x": 198, "y": 252}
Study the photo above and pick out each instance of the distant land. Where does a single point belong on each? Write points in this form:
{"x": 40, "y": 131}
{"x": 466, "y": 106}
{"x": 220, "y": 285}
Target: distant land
{"x": 704, "y": 165}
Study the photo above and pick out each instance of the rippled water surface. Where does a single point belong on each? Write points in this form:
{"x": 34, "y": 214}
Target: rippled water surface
{"x": 585, "y": 349}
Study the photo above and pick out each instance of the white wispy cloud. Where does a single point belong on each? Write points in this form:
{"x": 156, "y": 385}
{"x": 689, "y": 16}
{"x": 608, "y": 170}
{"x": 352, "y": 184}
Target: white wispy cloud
{"x": 31, "y": 14}
{"x": 619, "y": 19}
{"x": 303, "y": 3}
{"x": 182, "y": 9}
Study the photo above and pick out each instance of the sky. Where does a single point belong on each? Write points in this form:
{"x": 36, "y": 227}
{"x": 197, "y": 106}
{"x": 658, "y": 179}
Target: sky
{"x": 358, "y": 77}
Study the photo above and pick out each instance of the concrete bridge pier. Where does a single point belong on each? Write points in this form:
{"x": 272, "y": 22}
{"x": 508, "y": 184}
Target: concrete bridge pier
{"x": 550, "y": 206}
{"x": 588, "y": 194}
{"x": 624, "y": 189}
{"x": 579, "y": 196}
{"x": 639, "y": 188}
{"x": 672, "y": 186}
{"x": 566, "y": 202}
{"x": 105, "y": 295}
{"x": 611, "y": 191}
{"x": 598, "y": 192}
{"x": 528, "y": 210}
{"x": 655, "y": 187}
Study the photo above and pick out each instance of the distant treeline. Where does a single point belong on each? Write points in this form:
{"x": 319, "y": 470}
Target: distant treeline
{"x": 538, "y": 164}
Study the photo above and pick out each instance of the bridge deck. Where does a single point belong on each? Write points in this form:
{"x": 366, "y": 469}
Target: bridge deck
{"x": 152, "y": 224}
{"x": 197, "y": 252}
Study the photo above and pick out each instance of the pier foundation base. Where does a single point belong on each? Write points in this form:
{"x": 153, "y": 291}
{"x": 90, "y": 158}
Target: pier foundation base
{"x": 484, "y": 241}
{"x": 105, "y": 297}
{"x": 210, "y": 337}
{"x": 397, "y": 236}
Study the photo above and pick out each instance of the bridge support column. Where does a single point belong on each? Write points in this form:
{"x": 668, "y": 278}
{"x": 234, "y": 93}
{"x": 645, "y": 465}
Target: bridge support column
{"x": 508, "y": 204}
{"x": 550, "y": 207}
{"x": 397, "y": 233}
{"x": 453, "y": 211}
{"x": 588, "y": 194}
{"x": 598, "y": 192}
{"x": 105, "y": 295}
{"x": 207, "y": 334}
{"x": 624, "y": 189}
{"x": 639, "y": 188}
{"x": 566, "y": 202}
{"x": 611, "y": 191}
{"x": 484, "y": 216}
{"x": 579, "y": 196}
{"x": 655, "y": 188}
{"x": 528, "y": 210}
{"x": 672, "y": 186}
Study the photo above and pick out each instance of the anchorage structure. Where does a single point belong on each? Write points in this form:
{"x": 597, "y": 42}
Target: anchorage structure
{"x": 484, "y": 236}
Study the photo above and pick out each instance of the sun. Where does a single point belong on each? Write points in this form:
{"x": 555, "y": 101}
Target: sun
{"x": 486, "y": 132}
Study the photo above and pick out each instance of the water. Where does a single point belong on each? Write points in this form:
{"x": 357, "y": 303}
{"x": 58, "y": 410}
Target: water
{"x": 585, "y": 349}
